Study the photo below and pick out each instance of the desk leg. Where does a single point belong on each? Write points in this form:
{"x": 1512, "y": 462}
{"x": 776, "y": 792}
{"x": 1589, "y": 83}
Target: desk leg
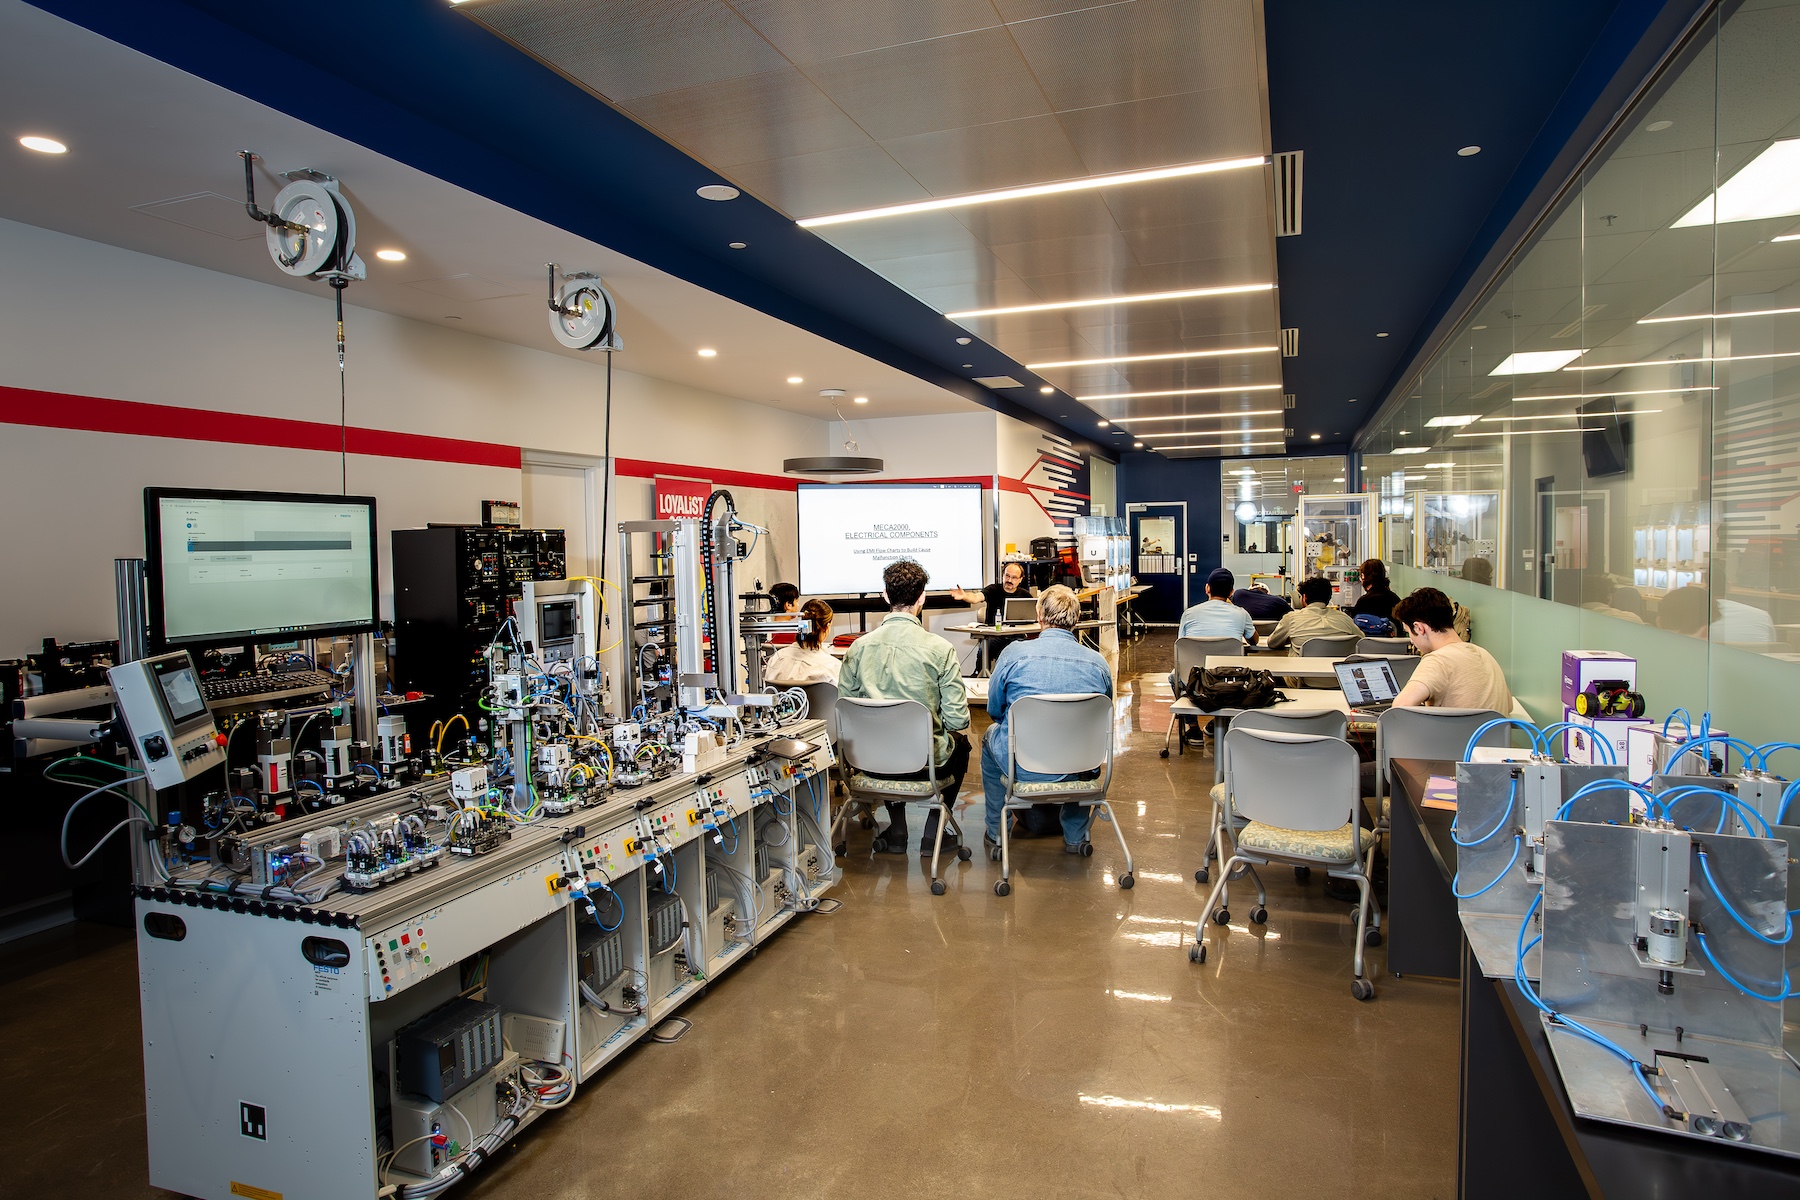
{"x": 1508, "y": 1143}
{"x": 1424, "y": 935}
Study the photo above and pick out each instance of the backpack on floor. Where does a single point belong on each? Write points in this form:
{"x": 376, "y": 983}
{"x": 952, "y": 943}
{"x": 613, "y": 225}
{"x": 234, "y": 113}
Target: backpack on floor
{"x": 1231, "y": 687}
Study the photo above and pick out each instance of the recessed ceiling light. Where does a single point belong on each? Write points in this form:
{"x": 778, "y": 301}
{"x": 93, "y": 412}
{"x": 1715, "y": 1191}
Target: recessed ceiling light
{"x": 1605, "y": 395}
{"x": 1429, "y": 466}
{"x": 1104, "y": 424}
{"x": 1353, "y": 399}
{"x": 795, "y": 379}
{"x": 391, "y": 255}
{"x": 1410, "y": 450}
{"x": 1036, "y": 189}
{"x": 1658, "y": 126}
{"x": 1468, "y": 152}
{"x": 1478, "y": 327}
{"x": 964, "y": 341}
{"x": 1672, "y": 362}
{"x": 1787, "y": 237}
{"x": 1450, "y": 422}
{"x": 738, "y": 245}
{"x": 967, "y": 366}
{"x": 1315, "y": 437}
{"x": 709, "y": 353}
{"x": 1381, "y": 335}
{"x": 1103, "y": 301}
{"x": 1766, "y": 186}
{"x": 1202, "y": 416}
{"x": 43, "y": 145}
{"x": 717, "y": 191}
{"x": 1132, "y": 358}
{"x": 1137, "y": 445}
{"x": 1339, "y": 479}
{"x": 1724, "y": 316}
{"x": 1208, "y": 391}
{"x": 1535, "y": 362}
{"x": 1046, "y": 390}
{"x": 1404, "y": 432}
{"x": 862, "y": 399}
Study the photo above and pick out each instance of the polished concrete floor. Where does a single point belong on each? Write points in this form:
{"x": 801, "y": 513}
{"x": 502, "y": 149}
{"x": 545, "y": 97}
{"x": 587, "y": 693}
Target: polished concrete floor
{"x": 1053, "y": 1043}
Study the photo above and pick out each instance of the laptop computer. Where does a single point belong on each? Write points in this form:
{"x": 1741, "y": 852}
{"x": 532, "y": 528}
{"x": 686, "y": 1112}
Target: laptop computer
{"x": 1368, "y": 686}
{"x": 1019, "y": 610}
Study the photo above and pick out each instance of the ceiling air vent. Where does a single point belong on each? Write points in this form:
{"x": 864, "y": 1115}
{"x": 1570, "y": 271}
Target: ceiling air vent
{"x": 1290, "y": 343}
{"x": 998, "y": 381}
{"x": 1287, "y": 192}
{"x": 1287, "y": 399}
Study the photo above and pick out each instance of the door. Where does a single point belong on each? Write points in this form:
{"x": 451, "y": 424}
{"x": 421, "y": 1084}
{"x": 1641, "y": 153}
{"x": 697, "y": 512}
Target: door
{"x": 1159, "y": 559}
{"x": 1573, "y": 537}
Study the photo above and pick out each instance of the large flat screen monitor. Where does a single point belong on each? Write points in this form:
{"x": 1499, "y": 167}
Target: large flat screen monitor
{"x": 230, "y": 568}
{"x": 850, "y": 532}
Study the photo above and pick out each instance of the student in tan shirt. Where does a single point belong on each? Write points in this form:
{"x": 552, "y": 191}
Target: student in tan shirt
{"x": 1453, "y": 673}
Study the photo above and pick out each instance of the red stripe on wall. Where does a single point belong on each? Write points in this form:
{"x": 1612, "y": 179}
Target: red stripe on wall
{"x": 642, "y": 468}
{"x": 60, "y": 410}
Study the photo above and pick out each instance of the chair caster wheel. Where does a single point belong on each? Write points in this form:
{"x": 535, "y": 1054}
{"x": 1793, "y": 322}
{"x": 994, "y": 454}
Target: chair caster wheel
{"x": 964, "y": 854}
{"x": 867, "y": 822}
{"x": 1164, "y": 754}
{"x": 937, "y": 887}
{"x": 1302, "y": 874}
{"x": 1126, "y": 881}
{"x": 1197, "y": 952}
{"x": 994, "y": 854}
{"x": 1259, "y": 915}
{"x": 879, "y": 845}
{"x": 1003, "y": 888}
{"x": 1087, "y": 849}
{"x": 840, "y": 849}
{"x": 1362, "y": 989}
{"x": 1202, "y": 875}
{"x": 1372, "y": 937}
{"x": 1222, "y": 916}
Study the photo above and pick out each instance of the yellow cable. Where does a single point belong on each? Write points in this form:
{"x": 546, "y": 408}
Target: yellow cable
{"x": 615, "y": 587}
{"x": 446, "y": 729}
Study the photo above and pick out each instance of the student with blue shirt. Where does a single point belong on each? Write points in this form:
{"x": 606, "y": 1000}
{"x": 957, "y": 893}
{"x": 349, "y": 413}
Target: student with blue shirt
{"x": 1053, "y": 663}
{"x": 1217, "y": 616}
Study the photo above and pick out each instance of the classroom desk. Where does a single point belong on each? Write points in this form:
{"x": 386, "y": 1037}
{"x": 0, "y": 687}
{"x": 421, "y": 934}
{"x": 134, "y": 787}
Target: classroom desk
{"x": 1132, "y": 625}
{"x": 1424, "y": 934}
{"x": 1297, "y": 668}
{"x": 984, "y": 634}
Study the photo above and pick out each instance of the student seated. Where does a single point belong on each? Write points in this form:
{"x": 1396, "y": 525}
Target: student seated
{"x": 1260, "y": 603}
{"x": 1217, "y": 616}
{"x": 1453, "y": 673}
{"x": 1051, "y": 663}
{"x": 993, "y": 597}
{"x": 806, "y": 660}
{"x": 1315, "y": 617}
{"x": 787, "y": 600}
{"x": 1378, "y": 598}
{"x": 901, "y": 660}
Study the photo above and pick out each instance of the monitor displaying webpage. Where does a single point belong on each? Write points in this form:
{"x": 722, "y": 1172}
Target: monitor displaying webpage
{"x": 265, "y": 569}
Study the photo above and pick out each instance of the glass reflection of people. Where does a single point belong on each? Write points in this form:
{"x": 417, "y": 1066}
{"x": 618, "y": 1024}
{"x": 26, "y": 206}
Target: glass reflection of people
{"x": 1688, "y": 611}
{"x": 1012, "y": 586}
{"x": 1478, "y": 570}
{"x": 1600, "y": 593}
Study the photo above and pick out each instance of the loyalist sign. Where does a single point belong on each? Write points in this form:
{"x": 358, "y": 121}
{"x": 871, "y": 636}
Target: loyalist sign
{"x": 677, "y": 498}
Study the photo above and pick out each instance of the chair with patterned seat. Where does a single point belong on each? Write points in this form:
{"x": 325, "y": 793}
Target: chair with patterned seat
{"x": 882, "y": 741}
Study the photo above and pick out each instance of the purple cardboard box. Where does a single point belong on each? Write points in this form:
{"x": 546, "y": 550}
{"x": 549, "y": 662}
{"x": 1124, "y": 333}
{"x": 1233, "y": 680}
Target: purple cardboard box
{"x": 1582, "y": 667}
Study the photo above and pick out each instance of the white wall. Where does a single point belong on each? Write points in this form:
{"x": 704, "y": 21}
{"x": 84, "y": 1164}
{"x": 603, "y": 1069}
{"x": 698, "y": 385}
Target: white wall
{"x": 89, "y": 319}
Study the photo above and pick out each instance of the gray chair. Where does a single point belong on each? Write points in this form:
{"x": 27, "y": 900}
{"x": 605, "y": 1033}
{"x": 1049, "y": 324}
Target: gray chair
{"x": 1058, "y": 735}
{"x": 1191, "y": 653}
{"x": 1327, "y": 646}
{"x": 1318, "y": 723}
{"x": 1436, "y": 733}
{"x": 880, "y": 739}
{"x": 1388, "y": 645}
{"x": 821, "y": 705}
{"x": 1297, "y": 795}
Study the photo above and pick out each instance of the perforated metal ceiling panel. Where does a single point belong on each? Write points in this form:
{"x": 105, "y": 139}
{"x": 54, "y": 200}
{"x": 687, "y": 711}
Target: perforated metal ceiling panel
{"x": 825, "y": 109}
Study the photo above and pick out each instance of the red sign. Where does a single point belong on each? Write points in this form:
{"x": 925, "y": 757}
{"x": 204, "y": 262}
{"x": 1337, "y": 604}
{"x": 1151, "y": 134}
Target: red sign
{"x": 677, "y": 498}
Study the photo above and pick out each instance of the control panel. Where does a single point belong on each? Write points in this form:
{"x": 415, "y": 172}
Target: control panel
{"x": 172, "y": 731}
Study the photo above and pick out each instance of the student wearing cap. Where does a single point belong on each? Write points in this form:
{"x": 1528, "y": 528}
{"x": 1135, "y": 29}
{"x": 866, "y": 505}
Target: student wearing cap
{"x": 1217, "y": 616}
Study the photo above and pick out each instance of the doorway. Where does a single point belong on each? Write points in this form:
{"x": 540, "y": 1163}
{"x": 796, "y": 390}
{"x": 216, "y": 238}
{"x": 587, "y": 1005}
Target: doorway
{"x": 1159, "y": 559}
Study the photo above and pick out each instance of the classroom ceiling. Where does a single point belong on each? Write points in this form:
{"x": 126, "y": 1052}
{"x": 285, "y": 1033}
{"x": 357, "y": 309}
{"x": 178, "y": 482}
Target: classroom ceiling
{"x": 605, "y": 119}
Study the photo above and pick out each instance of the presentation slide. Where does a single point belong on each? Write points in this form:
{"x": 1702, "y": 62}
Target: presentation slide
{"x": 849, "y": 533}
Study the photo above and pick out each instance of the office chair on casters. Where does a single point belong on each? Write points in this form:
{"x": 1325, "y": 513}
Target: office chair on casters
{"x": 1058, "y": 735}
{"x": 1191, "y": 653}
{"x": 893, "y": 737}
{"x": 1298, "y": 796}
{"x": 1431, "y": 733}
{"x": 1320, "y": 723}
{"x": 1384, "y": 645}
{"x": 821, "y": 705}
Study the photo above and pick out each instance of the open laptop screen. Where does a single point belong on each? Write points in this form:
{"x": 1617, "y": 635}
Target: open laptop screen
{"x": 1367, "y": 682}
{"x": 1020, "y": 610}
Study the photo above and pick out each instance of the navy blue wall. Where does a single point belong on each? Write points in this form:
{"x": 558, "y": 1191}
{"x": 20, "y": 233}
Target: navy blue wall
{"x": 1147, "y": 478}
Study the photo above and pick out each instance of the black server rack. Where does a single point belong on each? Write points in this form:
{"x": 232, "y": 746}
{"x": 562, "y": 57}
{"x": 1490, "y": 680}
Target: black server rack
{"x": 454, "y": 587}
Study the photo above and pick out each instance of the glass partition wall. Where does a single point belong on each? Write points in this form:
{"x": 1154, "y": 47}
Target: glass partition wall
{"x": 1258, "y": 502}
{"x": 1606, "y": 451}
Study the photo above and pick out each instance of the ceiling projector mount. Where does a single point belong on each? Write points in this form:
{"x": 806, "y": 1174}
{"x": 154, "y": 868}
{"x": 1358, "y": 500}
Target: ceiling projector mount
{"x": 311, "y": 227}
{"x": 582, "y": 313}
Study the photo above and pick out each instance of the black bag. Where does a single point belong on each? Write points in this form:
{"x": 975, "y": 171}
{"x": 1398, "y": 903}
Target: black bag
{"x": 1231, "y": 687}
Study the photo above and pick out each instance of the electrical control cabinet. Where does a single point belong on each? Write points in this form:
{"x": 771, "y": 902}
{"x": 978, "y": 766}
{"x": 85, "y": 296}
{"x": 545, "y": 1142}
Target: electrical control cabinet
{"x": 288, "y": 1047}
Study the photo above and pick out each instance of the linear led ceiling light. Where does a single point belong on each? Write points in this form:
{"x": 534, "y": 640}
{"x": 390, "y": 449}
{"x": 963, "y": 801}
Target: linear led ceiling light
{"x": 1535, "y": 362}
{"x": 1455, "y": 422}
{"x": 1136, "y": 358}
{"x": 1254, "y": 412}
{"x": 1724, "y": 316}
{"x": 1766, "y": 186}
{"x": 1410, "y": 450}
{"x": 1678, "y": 362}
{"x": 1225, "y": 433}
{"x": 1574, "y": 416}
{"x": 1102, "y": 301}
{"x": 1221, "y": 446}
{"x": 1206, "y": 391}
{"x": 1787, "y": 237}
{"x": 1037, "y": 189}
{"x": 1529, "y": 432}
{"x": 1607, "y": 395}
